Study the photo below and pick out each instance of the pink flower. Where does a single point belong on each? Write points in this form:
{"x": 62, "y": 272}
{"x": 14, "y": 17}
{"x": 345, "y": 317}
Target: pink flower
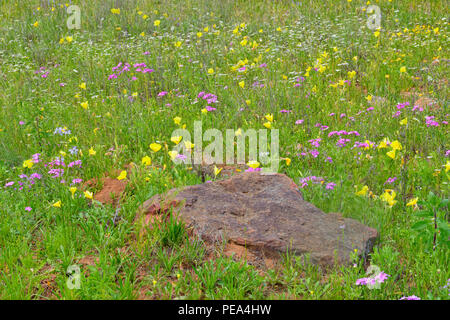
{"x": 28, "y": 209}
{"x": 300, "y": 121}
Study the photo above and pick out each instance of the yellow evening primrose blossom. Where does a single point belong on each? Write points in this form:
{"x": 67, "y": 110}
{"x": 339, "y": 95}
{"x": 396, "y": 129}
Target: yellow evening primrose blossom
{"x": 155, "y": 147}
{"x": 447, "y": 166}
{"x": 351, "y": 74}
{"x": 178, "y": 44}
{"x": 57, "y": 204}
{"x": 288, "y": 161}
{"x": 69, "y": 39}
{"x": 210, "y": 70}
{"x": 156, "y": 23}
{"x": 267, "y": 124}
{"x": 92, "y": 152}
{"x": 173, "y": 154}
{"x": 84, "y": 105}
{"x": 253, "y": 164}
{"x": 404, "y": 122}
{"x": 389, "y": 196}
{"x": 176, "y": 139}
{"x": 115, "y": 11}
{"x": 72, "y": 190}
{"x": 36, "y": 24}
{"x": 217, "y": 170}
{"x": 146, "y": 161}
{"x": 242, "y": 84}
{"x": 384, "y": 143}
{"x": 369, "y": 98}
{"x": 269, "y": 117}
{"x": 402, "y": 69}
{"x": 122, "y": 175}
{"x": 238, "y": 132}
{"x": 396, "y": 145}
{"x": 83, "y": 85}
{"x": 204, "y": 111}
{"x": 28, "y": 163}
{"x": 391, "y": 154}
{"x": 189, "y": 145}
{"x": 412, "y": 202}
{"x": 88, "y": 195}
{"x": 363, "y": 191}
{"x": 199, "y": 34}
{"x": 177, "y": 120}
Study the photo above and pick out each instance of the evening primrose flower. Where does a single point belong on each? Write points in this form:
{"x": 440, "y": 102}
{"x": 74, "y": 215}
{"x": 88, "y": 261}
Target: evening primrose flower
{"x": 210, "y": 71}
{"x": 176, "y": 139}
{"x": 122, "y": 175}
{"x": 115, "y": 11}
{"x": 412, "y": 202}
{"x": 36, "y": 24}
{"x": 391, "y": 154}
{"x": 73, "y": 190}
{"x": 88, "y": 194}
{"x": 57, "y": 204}
{"x": 173, "y": 154}
{"x": 84, "y": 105}
{"x": 396, "y": 145}
{"x": 83, "y": 86}
{"x": 267, "y": 124}
{"x": 253, "y": 164}
{"x": 242, "y": 84}
{"x": 155, "y": 147}
{"x": 177, "y": 120}
{"x": 404, "y": 122}
{"x": 156, "y": 23}
{"x": 28, "y": 163}
{"x": 217, "y": 170}
{"x": 92, "y": 152}
{"x": 402, "y": 69}
{"x": 363, "y": 191}
{"x": 389, "y": 196}
{"x": 269, "y": 117}
{"x": 146, "y": 161}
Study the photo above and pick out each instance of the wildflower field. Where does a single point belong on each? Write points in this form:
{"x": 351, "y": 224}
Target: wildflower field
{"x": 92, "y": 94}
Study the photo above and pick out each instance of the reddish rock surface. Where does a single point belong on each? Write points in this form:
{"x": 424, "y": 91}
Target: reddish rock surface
{"x": 266, "y": 214}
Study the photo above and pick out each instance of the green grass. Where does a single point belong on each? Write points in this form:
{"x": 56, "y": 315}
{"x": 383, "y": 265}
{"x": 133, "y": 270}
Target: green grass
{"x": 37, "y": 246}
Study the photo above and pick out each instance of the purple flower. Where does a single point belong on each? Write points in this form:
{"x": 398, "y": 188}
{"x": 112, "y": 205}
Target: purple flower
{"x": 28, "y": 209}
{"x": 330, "y": 186}
{"x": 413, "y": 297}
{"x": 300, "y": 121}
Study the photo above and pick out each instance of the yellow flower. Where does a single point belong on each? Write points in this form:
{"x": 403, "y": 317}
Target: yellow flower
{"x": 351, "y": 74}
{"x": 396, "y": 145}
{"x": 176, "y": 140}
{"x": 188, "y": 145}
{"x": 72, "y": 190}
{"x": 384, "y": 143}
{"x": 404, "y": 122}
{"x": 204, "y": 111}
{"x": 238, "y": 132}
{"x": 155, "y": 147}
{"x": 84, "y": 105}
{"x": 83, "y": 85}
{"x": 363, "y": 191}
{"x": 115, "y": 11}
{"x": 210, "y": 70}
{"x": 178, "y": 44}
{"x": 88, "y": 194}
{"x": 217, "y": 170}
{"x": 173, "y": 154}
{"x": 288, "y": 161}
{"x": 177, "y": 120}
{"x": 267, "y": 124}
{"x": 156, "y": 23}
{"x": 199, "y": 34}
{"x": 391, "y": 154}
{"x": 146, "y": 161}
{"x": 28, "y": 164}
{"x": 122, "y": 175}
{"x": 36, "y": 24}
{"x": 92, "y": 152}
{"x": 376, "y": 34}
{"x": 389, "y": 196}
{"x": 57, "y": 204}
{"x": 253, "y": 164}
{"x": 412, "y": 202}
{"x": 69, "y": 39}
{"x": 402, "y": 69}
{"x": 369, "y": 98}
{"x": 247, "y": 102}
{"x": 447, "y": 166}
{"x": 142, "y": 34}
{"x": 61, "y": 41}
{"x": 242, "y": 84}
{"x": 269, "y": 117}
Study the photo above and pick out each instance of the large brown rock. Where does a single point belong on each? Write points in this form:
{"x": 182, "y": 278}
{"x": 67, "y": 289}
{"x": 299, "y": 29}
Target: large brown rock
{"x": 264, "y": 213}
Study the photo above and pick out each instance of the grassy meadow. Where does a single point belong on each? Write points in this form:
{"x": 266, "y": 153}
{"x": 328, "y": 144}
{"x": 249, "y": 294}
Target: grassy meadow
{"x": 362, "y": 115}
